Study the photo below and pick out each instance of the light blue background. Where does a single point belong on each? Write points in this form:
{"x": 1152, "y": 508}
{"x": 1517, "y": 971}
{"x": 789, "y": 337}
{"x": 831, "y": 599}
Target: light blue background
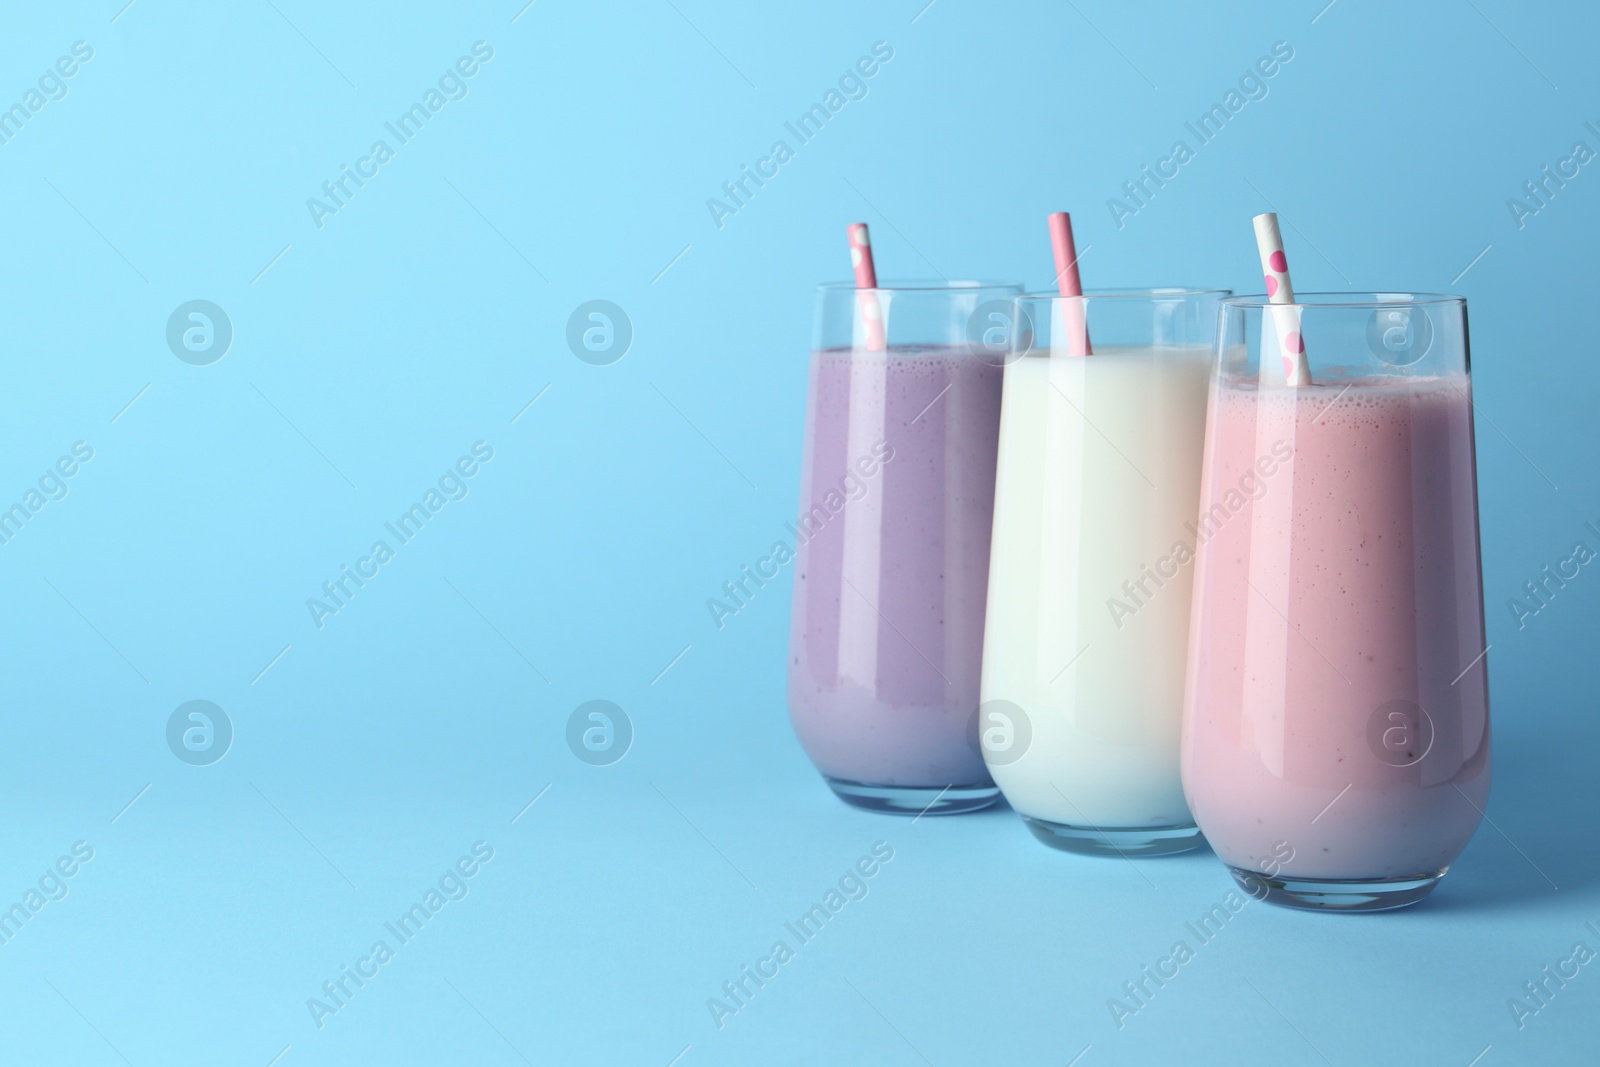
{"x": 427, "y": 714}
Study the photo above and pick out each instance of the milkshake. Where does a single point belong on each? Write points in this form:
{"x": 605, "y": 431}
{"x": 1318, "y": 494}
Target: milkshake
{"x": 1337, "y": 695}
{"x": 891, "y": 567}
{"x": 1089, "y": 581}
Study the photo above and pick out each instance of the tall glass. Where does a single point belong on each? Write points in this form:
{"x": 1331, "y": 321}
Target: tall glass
{"x": 1090, "y": 571}
{"x": 892, "y": 541}
{"x": 1336, "y": 727}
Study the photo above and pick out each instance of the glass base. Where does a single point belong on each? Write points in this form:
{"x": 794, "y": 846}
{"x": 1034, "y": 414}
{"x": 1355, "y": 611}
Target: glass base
{"x": 1337, "y": 894}
{"x": 914, "y": 799}
{"x": 1116, "y": 841}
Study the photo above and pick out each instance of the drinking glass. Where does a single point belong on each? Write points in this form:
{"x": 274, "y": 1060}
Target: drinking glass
{"x": 1088, "y": 613}
{"x": 892, "y": 541}
{"x": 1336, "y": 726}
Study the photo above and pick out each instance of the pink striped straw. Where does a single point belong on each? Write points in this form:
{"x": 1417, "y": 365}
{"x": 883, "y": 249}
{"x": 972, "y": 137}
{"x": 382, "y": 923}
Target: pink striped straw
{"x": 867, "y": 278}
{"x": 1068, "y": 284}
{"x": 1286, "y": 320}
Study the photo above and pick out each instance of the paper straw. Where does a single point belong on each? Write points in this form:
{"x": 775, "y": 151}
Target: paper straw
{"x": 1286, "y": 320}
{"x": 1068, "y": 284}
{"x": 867, "y": 278}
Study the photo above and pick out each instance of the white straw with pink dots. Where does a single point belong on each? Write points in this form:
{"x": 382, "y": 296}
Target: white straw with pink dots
{"x": 867, "y": 279}
{"x": 1068, "y": 285}
{"x": 1286, "y": 320}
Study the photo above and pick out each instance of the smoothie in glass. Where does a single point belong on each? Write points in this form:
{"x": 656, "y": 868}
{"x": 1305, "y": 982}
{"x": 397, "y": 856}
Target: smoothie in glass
{"x": 1337, "y": 698}
{"x": 1090, "y": 570}
{"x": 892, "y": 552}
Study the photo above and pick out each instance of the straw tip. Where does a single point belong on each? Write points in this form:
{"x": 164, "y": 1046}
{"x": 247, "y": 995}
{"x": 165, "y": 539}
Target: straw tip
{"x": 1266, "y": 218}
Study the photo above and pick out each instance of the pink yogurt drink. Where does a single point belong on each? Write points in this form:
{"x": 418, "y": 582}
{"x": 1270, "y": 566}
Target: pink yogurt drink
{"x": 1335, "y": 747}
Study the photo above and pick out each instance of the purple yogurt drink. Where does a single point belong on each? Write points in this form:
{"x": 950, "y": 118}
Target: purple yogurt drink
{"x": 891, "y": 571}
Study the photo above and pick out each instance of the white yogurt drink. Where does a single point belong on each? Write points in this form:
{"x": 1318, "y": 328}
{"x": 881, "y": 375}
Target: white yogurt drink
{"x": 1090, "y": 574}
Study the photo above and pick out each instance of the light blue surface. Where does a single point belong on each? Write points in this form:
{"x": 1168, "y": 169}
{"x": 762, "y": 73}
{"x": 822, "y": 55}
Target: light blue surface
{"x": 422, "y": 317}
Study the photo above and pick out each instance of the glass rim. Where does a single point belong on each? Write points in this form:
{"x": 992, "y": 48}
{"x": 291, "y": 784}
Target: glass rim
{"x": 1129, "y": 292}
{"x": 922, "y": 285}
{"x": 1374, "y": 299}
